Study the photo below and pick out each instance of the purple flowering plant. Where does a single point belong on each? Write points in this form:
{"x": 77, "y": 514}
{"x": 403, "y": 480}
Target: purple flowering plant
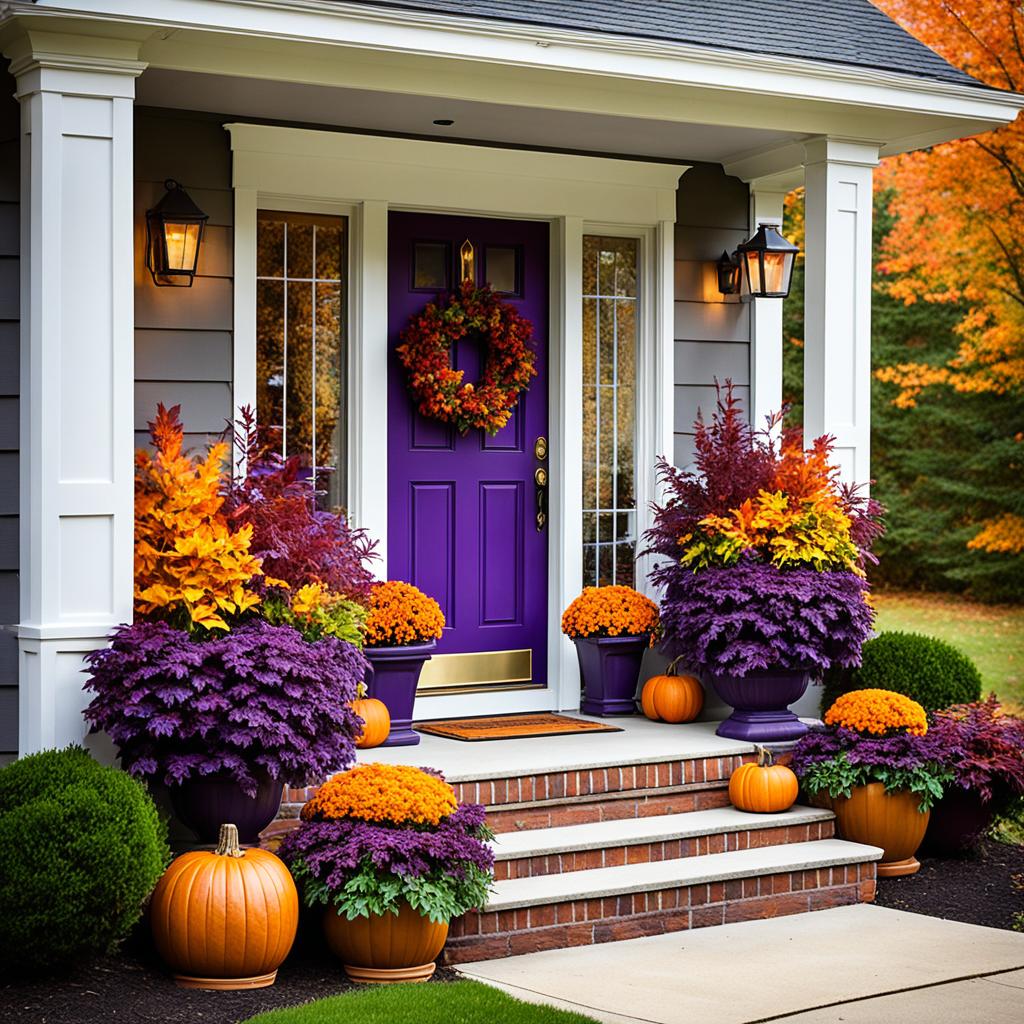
{"x": 256, "y": 700}
{"x": 364, "y": 868}
{"x": 834, "y": 760}
{"x": 763, "y": 551}
{"x": 987, "y": 745}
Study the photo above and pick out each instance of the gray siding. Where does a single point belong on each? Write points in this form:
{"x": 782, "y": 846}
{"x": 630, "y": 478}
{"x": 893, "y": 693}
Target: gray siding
{"x": 9, "y": 378}
{"x": 712, "y": 331}
{"x": 183, "y": 336}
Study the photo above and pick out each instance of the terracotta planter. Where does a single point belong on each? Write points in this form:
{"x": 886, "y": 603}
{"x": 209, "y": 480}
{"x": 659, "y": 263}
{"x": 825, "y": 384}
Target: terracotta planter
{"x": 393, "y": 676}
{"x": 958, "y": 821}
{"x": 386, "y": 948}
{"x": 610, "y": 670}
{"x": 761, "y": 704}
{"x": 892, "y": 821}
{"x": 204, "y": 803}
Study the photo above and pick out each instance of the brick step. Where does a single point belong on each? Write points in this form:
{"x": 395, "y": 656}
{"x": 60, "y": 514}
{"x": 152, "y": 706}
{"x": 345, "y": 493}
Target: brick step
{"x": 640, "y": 840}
{"x": 597, "y": 782}
{"x": 595, "y": 905}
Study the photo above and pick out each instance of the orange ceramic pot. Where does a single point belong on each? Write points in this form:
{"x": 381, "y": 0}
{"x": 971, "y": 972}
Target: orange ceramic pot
{"x": 890, "y": 820}
{"x": 387, "y": 947}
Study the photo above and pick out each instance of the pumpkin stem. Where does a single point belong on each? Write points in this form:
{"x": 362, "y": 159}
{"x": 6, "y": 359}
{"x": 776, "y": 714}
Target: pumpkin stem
{"x": 360, "y": 691}
{"x": 764, "y": 757}
{"x": 227, "y": 842}
{"x": 671, "y": 670}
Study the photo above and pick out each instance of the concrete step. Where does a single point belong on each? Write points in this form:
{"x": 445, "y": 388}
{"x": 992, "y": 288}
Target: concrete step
{"x": 594, "y": 905}
{"x": 663, "y": 837}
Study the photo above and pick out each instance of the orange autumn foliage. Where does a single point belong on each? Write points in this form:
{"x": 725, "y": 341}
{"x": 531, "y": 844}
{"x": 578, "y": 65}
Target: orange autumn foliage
{"x": 190, "y": 567}
{"x": 959, "y": 232}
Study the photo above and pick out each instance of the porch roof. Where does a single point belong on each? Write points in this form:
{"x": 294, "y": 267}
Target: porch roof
{"x": 852, "y": 32}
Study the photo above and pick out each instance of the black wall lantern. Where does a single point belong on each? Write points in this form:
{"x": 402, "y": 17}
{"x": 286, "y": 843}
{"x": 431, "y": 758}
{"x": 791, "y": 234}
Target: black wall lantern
{"x": 760, "y": 268}
{"x": 174, "y": 233}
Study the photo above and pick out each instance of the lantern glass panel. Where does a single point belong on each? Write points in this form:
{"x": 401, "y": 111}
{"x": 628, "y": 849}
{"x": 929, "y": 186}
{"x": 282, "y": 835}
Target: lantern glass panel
{"x": 777, "y": 267}
{"x": 182, "y": 246}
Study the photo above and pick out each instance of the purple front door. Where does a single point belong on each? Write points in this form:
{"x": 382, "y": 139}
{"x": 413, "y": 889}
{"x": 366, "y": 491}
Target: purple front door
{"x": 462, "y": 510}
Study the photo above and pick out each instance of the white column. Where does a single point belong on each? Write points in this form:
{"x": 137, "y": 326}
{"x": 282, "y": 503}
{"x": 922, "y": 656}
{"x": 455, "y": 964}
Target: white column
{"x": 76, "y": 378}
{"x": 766, "y": 341}
{"x": 837, "y": 299}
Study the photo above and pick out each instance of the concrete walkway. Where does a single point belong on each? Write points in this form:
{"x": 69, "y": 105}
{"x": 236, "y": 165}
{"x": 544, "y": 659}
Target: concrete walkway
{"x": 859, "y": 965}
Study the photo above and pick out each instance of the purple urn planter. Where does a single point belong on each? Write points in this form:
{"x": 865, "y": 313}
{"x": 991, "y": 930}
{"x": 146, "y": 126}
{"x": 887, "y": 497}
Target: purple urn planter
{"x": 957, "y": 822}
{"x": 610, "y": 667}
{"x": 204, "y": 804}
{"x": 392, "y": 678}
{"x": 760, "y": 702}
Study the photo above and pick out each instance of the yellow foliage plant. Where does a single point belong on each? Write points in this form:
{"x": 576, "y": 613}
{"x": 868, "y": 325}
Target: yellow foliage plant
{"x": 190, "y": 566}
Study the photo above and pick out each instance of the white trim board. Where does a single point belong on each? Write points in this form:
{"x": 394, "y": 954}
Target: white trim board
{"x": 364, "y": 177}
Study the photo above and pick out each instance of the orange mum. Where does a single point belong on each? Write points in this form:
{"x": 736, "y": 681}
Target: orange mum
{"x": 401, "y": 614}
{"x": 610, "y": 611}
{"x": 398, "y": 794}
{"x": 878, "y": 712}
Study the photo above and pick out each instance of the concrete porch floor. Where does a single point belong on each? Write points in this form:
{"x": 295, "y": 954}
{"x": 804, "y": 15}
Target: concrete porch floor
{"x": 641, "y": 741}
{"x": 857, "y": 965}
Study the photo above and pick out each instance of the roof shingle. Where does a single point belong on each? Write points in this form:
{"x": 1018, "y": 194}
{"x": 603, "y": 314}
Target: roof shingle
{"x": 849, "y": 32}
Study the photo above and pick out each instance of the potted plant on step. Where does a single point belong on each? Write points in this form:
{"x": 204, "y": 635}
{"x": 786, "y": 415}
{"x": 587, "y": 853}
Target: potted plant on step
{"x": 611, "y": 628}
{"x": 986, "y": 746}
{"x": 883, "y": 769}
{"x": 232, "y": 681}
{"x": 392, "y": 857}
{"x": 400, "y": 633}
{"x": 762, "y": 569}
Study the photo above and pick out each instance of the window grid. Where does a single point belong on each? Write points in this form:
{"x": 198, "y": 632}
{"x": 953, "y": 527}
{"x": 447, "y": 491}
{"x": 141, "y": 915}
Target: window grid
{"x": 620, "y": 514}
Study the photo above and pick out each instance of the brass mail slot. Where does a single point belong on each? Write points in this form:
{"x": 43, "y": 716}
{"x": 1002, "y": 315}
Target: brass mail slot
{"x": 483, "y": 668}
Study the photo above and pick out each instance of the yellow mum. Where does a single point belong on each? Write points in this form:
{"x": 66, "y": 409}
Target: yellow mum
{"x": 878, "y": 712}
{"x": 398, "y": 794}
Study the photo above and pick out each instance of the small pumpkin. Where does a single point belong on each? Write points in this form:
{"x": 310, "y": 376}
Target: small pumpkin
{"x": 225, "y": 919}
{"x": 763, "y": 787}
{"x": 672, "y": 698}
{"x": 375, "y": 716}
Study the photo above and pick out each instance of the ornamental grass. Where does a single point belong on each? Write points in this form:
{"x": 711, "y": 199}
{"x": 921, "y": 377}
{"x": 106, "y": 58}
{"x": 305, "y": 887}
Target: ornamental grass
{"x": 610, "y": 611}
{"x": 401, "y": 614}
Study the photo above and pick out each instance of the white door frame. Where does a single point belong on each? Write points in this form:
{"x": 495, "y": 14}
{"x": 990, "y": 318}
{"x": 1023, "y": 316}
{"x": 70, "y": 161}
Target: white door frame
{"x": 364, "y": 177}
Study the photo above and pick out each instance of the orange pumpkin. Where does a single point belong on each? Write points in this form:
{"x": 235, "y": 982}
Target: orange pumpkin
{"x": 375, "y": 716}
{"x": 763, "y": 787}
{"x": 672, "y": 698}
{"x": 225, "y": 919}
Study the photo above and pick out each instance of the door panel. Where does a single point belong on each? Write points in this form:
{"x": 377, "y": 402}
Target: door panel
{"x": 462, "y": 520}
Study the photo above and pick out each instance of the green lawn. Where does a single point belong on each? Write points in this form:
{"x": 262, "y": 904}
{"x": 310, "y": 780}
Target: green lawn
{"x": 991, "y": 635}
{"x": 457, "y": 1002}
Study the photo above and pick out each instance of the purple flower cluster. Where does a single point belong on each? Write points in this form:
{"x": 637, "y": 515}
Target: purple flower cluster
{"x": 754, "y": 616}
{"x": 901, "y": 751}
{"x": 257, "y": 699}
{"x": 333, "y": 850}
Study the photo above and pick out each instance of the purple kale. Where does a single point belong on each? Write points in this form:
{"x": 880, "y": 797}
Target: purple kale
{"x": 257, "y": 699}
{"x": 901, "y": 751}
{"x": 754, "y": 616}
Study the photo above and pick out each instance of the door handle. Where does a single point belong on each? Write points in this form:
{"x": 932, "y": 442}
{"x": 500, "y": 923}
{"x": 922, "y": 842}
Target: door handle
{"x": 540, "y": 478}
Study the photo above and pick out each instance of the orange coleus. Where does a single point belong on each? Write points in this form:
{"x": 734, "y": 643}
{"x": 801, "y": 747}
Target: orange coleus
{"x": 877, "y": 713}
{"x": 189, "y": 563}
{"x": 401, "y": 614}
{"x": 398, "y": 794}
{"x": 610, "y": 611}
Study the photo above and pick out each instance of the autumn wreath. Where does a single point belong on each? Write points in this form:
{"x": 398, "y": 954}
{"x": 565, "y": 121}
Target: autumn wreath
{"x": 425, "y": 353}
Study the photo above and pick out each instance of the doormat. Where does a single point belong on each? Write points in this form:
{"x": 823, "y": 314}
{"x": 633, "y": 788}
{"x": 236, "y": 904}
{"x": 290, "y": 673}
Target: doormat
{"x": 511, "y": 727}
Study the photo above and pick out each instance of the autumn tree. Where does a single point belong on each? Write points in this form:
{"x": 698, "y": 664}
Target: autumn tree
{"x": 957, "y": 240}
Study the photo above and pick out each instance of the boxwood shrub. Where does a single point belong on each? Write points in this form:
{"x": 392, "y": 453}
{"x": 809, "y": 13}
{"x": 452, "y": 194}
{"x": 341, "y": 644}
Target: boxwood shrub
{"x": 81, "y": 847}
{"x": 930, "y": 671}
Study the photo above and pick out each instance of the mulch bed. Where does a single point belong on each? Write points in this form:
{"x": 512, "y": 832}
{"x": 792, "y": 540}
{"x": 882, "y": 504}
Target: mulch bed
{"x": 133, "y": 987}
{"x": 986, "y": 888}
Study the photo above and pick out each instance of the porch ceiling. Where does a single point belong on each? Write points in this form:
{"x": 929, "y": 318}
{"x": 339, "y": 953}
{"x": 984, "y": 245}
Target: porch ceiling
{"x": 475, "y": 121}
